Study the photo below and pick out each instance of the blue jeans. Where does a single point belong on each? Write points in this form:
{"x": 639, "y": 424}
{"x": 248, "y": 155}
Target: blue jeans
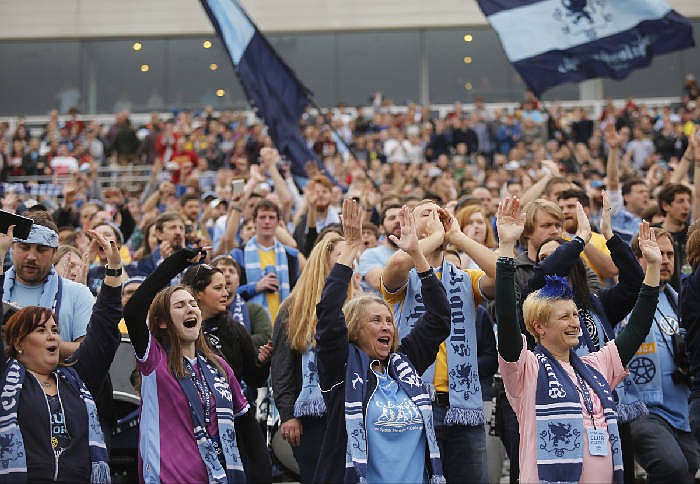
{"x": 667, "y": 454}
{"x": 462, "y": 450}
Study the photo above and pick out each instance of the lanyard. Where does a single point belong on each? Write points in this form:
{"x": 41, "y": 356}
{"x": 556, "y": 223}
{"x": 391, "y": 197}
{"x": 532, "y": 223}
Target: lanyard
{"x": 587, "y": 400}
{"x": 203, "y": 391}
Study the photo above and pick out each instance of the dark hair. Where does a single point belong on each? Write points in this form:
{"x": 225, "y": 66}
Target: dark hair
{"x": 115, "y": 230}
{"x": 580, "y": 195}
{"x": 199, "y": 276}
{"x": 227, "y": 260}
{"x": 554, "y": 181}
{"x": 631, "y": 183}
{"x": 21, "y": 323}
{"x": 187, "y": 197}
{"x": 578, "y": 277}
{"x": 167, "y": 217}
{"x": 668, "y": 194}
{"x": 385, "y": 210}
{"x": 267, "y": 206}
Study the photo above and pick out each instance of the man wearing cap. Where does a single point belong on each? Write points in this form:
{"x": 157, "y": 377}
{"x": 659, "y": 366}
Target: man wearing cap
{"x": 32, "y": 281}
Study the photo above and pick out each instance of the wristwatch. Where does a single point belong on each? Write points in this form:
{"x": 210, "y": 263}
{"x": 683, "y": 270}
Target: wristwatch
{"x": 113, "y": 272}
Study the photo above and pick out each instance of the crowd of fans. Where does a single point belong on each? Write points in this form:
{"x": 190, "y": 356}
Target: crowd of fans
{"x": 393, "y": 260}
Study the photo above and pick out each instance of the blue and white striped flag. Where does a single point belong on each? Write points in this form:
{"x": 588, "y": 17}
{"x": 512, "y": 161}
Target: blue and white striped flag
{"x": 269, "y": 84}
{"x": 551, "y": 42}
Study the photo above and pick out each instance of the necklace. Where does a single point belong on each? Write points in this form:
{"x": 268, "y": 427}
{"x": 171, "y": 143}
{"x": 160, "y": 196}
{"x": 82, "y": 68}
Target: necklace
{"x": 44, "y": 384}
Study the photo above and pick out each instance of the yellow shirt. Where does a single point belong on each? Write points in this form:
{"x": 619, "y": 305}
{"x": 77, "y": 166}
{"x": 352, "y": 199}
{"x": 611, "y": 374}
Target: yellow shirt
{"x": 123, "y": 253}
{"x": 267, "y": 258}
{"x": 599, "y": 242}
{"x": 440, "y": 380}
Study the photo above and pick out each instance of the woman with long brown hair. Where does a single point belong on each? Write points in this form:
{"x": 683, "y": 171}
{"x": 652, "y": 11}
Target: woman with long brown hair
{"x": 191, "y": 400}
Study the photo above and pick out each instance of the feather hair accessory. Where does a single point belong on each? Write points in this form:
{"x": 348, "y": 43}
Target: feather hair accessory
{"x": 556, "y": 287}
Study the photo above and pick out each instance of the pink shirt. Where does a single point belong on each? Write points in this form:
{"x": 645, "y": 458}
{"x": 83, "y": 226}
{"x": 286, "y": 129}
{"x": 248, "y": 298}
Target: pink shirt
{"x": 167, "y": 449}
{"x": 520, "y": 381}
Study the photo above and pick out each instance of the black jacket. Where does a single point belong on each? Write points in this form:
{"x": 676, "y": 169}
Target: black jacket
{"x": 286, "y": 366}
{"x": 231, "y": 340}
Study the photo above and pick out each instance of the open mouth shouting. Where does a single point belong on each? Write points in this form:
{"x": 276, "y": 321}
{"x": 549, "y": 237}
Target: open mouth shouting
{"x": 190, "y": 323}
{"x": 52, "y": 349}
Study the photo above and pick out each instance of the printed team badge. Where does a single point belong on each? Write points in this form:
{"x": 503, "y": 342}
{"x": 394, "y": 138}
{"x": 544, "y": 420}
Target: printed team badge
{"x": 560, "y": 438}
{"x": 583, "y": 18}
{"x": 643, "y": 370}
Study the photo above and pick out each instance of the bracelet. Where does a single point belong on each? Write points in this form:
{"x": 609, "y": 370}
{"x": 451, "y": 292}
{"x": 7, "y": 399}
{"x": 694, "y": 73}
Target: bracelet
{"x": 425, "y": 275}
{"x": 113, "y": 272}
{"x": 508, "y": 261}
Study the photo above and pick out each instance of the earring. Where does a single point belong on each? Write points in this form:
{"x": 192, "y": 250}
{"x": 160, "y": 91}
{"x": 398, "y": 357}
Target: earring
{"x": 19, "y": 352}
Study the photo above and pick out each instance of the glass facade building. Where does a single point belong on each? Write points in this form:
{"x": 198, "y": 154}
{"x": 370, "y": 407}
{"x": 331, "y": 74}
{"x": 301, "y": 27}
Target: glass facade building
{"x": 436, "y": 65}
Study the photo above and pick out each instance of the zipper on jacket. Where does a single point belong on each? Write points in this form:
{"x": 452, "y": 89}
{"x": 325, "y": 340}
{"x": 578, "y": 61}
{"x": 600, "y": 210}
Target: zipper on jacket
{"x": 48, "y": 407}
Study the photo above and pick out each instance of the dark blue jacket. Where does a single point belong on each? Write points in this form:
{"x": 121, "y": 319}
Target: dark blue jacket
{"x": 420, "y": 347}
{"x": 92, "y": 361}
{"x": 689, "y": 306}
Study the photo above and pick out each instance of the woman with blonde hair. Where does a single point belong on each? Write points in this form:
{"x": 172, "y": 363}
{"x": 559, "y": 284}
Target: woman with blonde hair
{"x": 294, "y": 374}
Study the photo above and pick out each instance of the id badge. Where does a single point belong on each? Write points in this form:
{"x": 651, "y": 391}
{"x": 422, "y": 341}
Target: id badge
{"x": 597, "y": 441}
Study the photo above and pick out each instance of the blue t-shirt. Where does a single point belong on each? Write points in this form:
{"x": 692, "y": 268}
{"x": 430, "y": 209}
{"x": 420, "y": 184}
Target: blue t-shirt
{"x": 395, "y": 437}
{"x": 75, "y": 309}
{"x": 674, "y": 407}
{"x": 371, "y": 259}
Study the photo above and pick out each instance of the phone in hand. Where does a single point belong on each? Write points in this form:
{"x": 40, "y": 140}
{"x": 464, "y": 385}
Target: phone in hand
{"x": 237, "y": 186}
{"x": 22, "y": 224}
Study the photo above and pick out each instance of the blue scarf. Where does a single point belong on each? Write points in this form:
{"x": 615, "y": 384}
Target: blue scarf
{"x": 466, "y": 405}
{"x": 51, "y": 290}
{"x": 239, "y": 312}
{"x": 310, "y": 400}
{"x": 559, "y": 417}
{"x": 356, "y": 387}
{"x": 630, "y": 405}
{"x": 13, "y": 465}
{"x": 209, "y": 447}
{"x": 254, "y": 273}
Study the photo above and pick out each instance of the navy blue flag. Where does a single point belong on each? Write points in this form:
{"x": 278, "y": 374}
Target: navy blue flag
{"x": 550, "y": 42}
{"x": 271, "y": 87}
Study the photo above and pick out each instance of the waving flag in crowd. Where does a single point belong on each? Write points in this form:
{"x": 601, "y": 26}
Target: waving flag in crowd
{"x": 551, "y": 42}
{"x": 270, "y": 85}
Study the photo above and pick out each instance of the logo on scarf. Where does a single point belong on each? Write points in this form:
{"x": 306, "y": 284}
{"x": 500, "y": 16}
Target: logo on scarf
{"x": 463, "y": 376}
{"x": 643, "y": 370}
{"x": 583, "y": 17}
{"x": 10, "y": 450}
{"x": 559, "y": 438}
{"x": 222, "y": 387}
{"x": 356, "y": 379}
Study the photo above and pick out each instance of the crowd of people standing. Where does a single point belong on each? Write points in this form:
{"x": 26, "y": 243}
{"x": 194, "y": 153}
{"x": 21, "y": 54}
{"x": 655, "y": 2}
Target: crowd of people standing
{"x": 435, "y": 292}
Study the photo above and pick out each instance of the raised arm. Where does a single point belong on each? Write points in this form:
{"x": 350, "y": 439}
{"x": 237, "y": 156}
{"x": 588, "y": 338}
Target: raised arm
{"x": 136, "y": 310}
{"x": 331, "y": 331}
{"x": 633, "y": 335}
{"x": 537, "y": 188}
{"x": 695, "y": 143}
{"x": 96, "y": 352}
{"x": 395, "y": 274}
{"x": 612, "y": 137}
{"x": 423, "y": 342}
{"x": 510, "y": 223}
{"x": 5, "y": 242}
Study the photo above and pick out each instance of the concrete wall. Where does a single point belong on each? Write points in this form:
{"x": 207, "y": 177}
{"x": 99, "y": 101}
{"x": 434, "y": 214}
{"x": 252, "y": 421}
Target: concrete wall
{"x": 33, "y": 19}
